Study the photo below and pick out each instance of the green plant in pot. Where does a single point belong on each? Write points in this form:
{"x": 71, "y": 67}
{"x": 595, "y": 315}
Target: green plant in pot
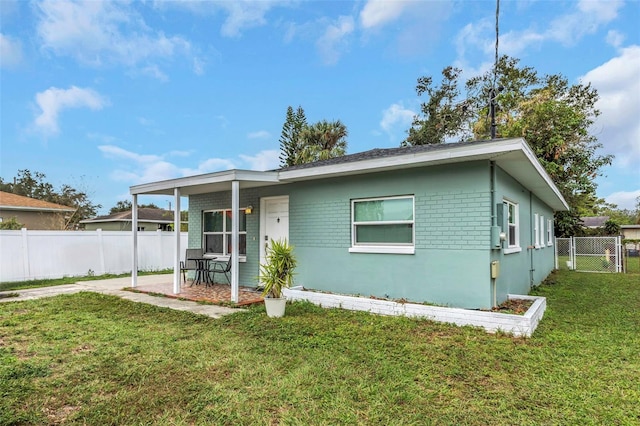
{"x": 275, "y": 274}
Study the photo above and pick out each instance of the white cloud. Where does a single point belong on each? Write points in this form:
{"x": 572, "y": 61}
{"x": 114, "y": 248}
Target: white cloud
{"x": 334, "y": 41}
{"x": 586, "y": 18}
{"x": 377, "y": 13}
{"x": 618, "y": 86}
{"x": 264, "y": 160}
{"x": 142, "y": 168}
{"x": 113, "y": 151}
{"x": 100, "y": 33}
{"x": 54, "y": 100}
{"x": 240, "y": 14}
{"x": 101, "y": 137}
{"x": 211, "y": 165}
{"x": 614, "y": 38}
{"x": 624, "y": 199}
{"x": 10, "y": 52}
{"x": 155, "y": 72}
{"x": 198, "y": 66}
{"x": 396, "y": 117}
{"x": 260, "y": 134}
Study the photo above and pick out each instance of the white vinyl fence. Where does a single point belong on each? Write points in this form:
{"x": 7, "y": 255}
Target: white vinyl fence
{"x": 32, "y": 254}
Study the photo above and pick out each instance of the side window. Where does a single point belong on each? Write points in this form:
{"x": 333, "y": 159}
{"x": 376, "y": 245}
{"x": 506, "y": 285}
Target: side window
{"x": 541, "y": 231}
{"x": 549, "y": 232}
{"x": 536, "y": 231}
{"x": 513, "y": 225}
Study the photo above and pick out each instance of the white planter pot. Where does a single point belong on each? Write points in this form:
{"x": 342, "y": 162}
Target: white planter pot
{"x": 275, "y": 307}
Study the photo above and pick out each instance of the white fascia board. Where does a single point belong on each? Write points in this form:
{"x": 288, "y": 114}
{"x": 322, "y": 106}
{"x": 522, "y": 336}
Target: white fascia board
{"x": 167, "y": 186}
{"x": 441, "y": 156}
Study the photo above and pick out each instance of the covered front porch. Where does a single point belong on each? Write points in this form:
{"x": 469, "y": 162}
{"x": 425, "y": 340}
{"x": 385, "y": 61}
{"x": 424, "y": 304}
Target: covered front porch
{"x": 232, "y": 182}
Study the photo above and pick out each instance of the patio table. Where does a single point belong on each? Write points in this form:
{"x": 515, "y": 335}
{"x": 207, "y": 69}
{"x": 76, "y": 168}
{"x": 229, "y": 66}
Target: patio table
{"x": 202, "y": 270}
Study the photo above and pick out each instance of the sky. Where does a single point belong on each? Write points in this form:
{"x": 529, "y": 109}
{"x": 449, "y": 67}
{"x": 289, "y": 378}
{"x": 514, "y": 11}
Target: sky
{"x": 104, "y": 95}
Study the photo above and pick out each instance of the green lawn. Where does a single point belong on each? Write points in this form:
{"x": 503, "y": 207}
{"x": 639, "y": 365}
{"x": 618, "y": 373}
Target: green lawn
{"x": 591, "y": 263}
{"x": 95, "y": 359}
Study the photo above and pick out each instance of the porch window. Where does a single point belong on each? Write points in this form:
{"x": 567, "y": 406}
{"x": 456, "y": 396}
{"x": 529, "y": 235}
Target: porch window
{"x": 513, "y": 225}
{"x": 383, "y": 225}
{"x": 216, "y": 229}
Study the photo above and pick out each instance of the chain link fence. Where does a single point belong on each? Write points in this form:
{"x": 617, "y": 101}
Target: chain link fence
{"x": 589, "y": 254}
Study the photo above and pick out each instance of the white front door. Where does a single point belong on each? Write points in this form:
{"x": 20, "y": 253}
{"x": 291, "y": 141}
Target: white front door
{"x": 274, "y": 221}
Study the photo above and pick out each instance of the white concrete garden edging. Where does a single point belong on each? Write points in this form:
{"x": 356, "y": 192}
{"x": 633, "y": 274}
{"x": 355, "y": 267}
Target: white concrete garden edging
{"x": 518, "y": 325}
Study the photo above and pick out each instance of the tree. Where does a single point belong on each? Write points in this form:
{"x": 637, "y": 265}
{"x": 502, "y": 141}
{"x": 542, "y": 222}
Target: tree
{"x": 290, "y": 146}
{"x": 611, "y": 228}
{"x": 33, "y": 185}
{"x": 125, "y": 206}
{"x": 302, "y": 143}
{"x": 11, "y": 224}
{"x": 551, "y": 115}
{"x": 443, "y": 115}
{"x": 321, "y": 141}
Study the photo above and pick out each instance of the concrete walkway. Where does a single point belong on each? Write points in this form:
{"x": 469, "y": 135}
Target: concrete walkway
{"x": 115, "y": 287}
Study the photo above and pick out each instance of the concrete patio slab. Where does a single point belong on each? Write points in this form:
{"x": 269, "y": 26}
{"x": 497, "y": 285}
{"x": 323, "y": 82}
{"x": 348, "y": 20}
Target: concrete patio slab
{"x": 115, "y": 287}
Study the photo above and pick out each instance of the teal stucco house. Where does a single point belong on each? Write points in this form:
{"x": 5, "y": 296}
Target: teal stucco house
{"x": 460, "y": 224}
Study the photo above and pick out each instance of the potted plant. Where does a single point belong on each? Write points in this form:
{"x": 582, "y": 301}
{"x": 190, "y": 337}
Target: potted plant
{"x": 275, "y": 274}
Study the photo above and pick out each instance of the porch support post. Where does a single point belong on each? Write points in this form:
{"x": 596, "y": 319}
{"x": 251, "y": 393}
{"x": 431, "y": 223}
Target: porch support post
{"x": 134, "y": 233}
{"x": 235, "y": 228}
{"x": 176, "y": 232}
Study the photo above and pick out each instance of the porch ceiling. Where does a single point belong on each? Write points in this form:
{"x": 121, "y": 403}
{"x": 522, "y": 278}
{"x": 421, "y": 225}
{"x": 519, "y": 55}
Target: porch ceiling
{"x": 210, "y": 182}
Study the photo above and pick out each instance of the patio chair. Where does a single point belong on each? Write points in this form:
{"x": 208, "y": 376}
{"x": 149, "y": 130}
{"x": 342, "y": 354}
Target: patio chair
{"x": 221, "y": 268}
{"x": 190, "y": 265}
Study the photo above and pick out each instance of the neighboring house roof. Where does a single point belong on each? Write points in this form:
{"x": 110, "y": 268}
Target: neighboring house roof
{"x": 629, "y": 226}
{"x": 594, "y": 221}
{"x": 145, "y": 214}
{"x": 512, "y": 155}
{"x": 9, "y": 201}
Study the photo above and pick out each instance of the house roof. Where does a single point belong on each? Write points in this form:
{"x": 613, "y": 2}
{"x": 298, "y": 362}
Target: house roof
{"x": 10, "y": 201}
{"x": 512, "y": 155}
{"x": 629, "y": 226}
{"x": 145, "y": 214}
{"x": 594, "y": 221}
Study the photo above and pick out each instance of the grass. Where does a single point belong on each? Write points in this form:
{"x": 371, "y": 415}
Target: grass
{"x": 590, "y": 263}
{"x": 95, "y": 359}
{"x": 21, "y": 285}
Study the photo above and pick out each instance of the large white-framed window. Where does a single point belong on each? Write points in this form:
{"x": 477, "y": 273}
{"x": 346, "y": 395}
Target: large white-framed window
{"x": 542, "y": 232}
{"x": 513, "y": 227}
{"x": 549, "y": 232}
{"x": 216, "y": 232}
{"x": 383, "y": 225}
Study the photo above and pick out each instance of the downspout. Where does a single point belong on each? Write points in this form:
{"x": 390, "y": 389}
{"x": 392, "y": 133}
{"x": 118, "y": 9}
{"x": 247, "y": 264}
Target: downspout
{"x": 531, "y": 239}
{"x": 494, "y": 223}
{"x": 494, "y": 213}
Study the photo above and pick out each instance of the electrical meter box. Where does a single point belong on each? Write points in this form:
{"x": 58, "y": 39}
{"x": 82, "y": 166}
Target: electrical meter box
{"x": 495, "y": 269}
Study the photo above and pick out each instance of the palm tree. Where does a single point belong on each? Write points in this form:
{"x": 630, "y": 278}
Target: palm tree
{"x": 322, "y": 140}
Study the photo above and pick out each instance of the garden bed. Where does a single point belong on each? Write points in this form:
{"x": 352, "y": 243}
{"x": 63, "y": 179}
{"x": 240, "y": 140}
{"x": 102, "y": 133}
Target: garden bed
{"x": 518, "y": 325}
